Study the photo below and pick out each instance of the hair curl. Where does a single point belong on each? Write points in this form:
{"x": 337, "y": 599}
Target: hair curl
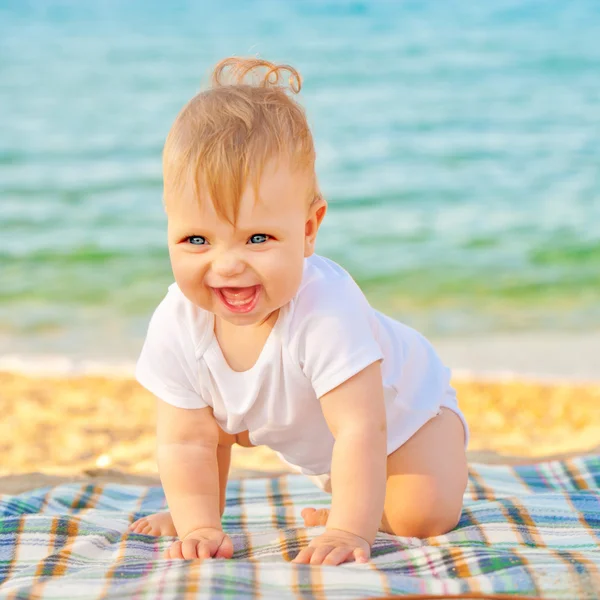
{"x": 240, "y": 68}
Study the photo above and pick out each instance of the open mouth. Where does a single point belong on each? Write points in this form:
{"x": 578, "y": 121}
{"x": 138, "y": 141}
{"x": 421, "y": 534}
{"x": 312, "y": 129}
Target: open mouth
{"x": 239, "y": 299}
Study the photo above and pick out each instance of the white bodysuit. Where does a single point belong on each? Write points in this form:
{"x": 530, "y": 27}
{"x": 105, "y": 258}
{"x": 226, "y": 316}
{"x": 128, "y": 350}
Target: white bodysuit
{"x": 326, "y": 334}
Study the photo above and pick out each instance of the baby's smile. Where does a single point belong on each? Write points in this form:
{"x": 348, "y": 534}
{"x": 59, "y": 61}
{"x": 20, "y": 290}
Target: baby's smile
{"x": 239, "y": 299}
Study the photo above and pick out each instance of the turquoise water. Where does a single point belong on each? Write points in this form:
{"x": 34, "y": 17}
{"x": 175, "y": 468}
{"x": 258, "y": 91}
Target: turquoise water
{"x": 458, "y": 145}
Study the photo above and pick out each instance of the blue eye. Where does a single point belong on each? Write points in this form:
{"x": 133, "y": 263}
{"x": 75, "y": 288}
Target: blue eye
{"x": 259, "y": 238}
{"x": 197, "y": 240}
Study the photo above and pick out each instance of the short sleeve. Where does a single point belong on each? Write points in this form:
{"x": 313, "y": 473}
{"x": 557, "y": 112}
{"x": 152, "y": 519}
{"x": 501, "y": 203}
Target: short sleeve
{"x": 167, "y": 365}
{"x": 334, "y": 339}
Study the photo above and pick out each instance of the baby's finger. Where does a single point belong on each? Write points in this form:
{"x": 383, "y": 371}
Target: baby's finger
{"x": 304, "y": 556}
{"x": 206, "y": 549}
{"x": 174, "y": 550}
{"x": 225, "y": 550}
{"x": 361, "y": 555}
{"x": 338, "y": 555}
{"x": 319, "y": 554}
{"x": 189, "y": 549}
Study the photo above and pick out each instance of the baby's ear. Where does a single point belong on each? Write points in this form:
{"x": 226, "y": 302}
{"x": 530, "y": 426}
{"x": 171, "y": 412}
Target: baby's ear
{"x": 316, "y": 213}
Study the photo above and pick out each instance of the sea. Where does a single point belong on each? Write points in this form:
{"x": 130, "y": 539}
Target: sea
{"x": 458, "y": 146}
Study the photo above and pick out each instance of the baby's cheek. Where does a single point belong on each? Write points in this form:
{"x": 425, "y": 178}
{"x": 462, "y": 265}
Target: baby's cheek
{"x": 189, "y": 278}
{"x": 287, "y": 284}
{"x": 181, "y": 271}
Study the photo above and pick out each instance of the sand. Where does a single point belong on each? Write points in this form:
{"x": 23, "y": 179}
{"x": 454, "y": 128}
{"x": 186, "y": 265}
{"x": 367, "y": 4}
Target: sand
{"x": 68, "y": 427}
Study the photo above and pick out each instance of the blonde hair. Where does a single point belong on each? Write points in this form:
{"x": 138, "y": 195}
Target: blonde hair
{"x": 224, "y": 136}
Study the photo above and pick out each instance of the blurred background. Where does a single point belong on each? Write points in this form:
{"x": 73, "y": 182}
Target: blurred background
{"x": 458, "y": 144}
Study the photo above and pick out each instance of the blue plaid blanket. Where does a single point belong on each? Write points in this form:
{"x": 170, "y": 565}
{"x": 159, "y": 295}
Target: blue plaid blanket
{"x": 532, "y": 530}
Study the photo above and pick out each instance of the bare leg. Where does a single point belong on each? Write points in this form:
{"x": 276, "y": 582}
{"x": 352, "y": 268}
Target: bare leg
{"x": 162, "y": 524}
{"x": 426, "y": 480}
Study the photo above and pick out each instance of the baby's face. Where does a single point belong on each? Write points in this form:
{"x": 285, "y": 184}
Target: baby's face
{"x": 244, "y": 274}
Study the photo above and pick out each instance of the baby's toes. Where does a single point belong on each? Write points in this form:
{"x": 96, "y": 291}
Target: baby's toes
{"x": 315, "y": 518}
{"x": 140, "y": 525}
{"x": 144, "y": 526}
{"x": 150, "y": 530}
{"x": 308, "y": 516}
{"x": 157, "y": 525}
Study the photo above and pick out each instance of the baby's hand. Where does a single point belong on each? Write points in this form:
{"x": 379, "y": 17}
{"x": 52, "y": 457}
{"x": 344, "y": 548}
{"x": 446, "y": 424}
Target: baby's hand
{"x": 333, "y": 548}
{"x": 202, "y": 543}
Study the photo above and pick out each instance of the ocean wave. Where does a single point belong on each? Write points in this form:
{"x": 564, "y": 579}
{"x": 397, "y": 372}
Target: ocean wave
{"x": 458, "y": 152}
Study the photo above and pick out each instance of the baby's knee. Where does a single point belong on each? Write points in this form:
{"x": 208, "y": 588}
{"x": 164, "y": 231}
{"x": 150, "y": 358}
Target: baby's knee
{"x": 422, "y": 520}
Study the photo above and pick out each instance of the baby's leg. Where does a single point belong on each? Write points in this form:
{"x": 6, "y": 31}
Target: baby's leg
{"x": 161, "y": 523}
{"x": 426, "y": 479}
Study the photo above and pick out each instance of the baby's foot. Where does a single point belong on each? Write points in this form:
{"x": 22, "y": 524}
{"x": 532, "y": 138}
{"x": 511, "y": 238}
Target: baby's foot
{"x": 315, "y": 518}
{"x": 157, "y": 524}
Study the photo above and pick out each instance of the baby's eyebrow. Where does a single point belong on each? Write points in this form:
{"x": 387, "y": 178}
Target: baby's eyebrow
{"x": 253, "y": 229}
{"x": 190, "y": 230}
{"x": 271, "y": 229}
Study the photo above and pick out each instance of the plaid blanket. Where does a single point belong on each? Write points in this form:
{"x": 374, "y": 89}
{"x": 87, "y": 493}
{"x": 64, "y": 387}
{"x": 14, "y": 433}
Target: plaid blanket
{"x": 533, "y": 530}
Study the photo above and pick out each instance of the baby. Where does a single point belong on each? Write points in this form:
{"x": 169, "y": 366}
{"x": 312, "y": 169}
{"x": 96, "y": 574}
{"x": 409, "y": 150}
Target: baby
{"x": 262, "y": 341}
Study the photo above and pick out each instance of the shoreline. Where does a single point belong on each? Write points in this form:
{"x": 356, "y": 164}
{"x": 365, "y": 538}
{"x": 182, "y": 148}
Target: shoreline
{"x": 550, "y": 358}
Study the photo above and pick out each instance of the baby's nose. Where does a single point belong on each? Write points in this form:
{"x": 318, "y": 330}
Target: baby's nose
{"x": 227, "y": 264}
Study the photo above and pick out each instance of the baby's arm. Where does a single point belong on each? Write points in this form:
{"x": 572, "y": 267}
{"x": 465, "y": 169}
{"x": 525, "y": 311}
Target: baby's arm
{"x": 355, "y": 413}
{"x": 223, "y": 461}
{"x": 187, "y": 441}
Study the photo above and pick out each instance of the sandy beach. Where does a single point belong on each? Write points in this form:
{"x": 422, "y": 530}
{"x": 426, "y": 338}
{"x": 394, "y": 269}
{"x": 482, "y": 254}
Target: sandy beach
{"x": 100, "y": 426}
